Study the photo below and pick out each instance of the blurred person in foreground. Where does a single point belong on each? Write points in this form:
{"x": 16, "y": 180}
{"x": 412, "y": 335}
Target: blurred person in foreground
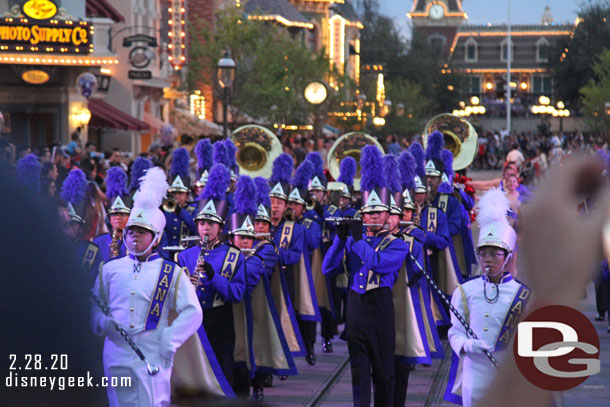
{"x": 543, "y": 225}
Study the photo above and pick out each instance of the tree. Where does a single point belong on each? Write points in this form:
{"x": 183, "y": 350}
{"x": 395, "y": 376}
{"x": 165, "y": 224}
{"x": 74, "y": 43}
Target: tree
{"x": 572, "y": 59}
{"x": 596, "y": 95}
{"x": 273, "y": 67}
{"x": 413, "y": 115}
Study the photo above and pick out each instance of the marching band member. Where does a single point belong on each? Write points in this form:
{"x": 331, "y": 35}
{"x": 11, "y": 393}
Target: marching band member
{"x": 317, "y": 188}
{"x": 288, "y": 237}
{"x": 487, "y": 302}
{"x": 179, "y": 219}
{"x": 74, "y": 192}
{"x": 112, "y": 245}
{"x": 277, "y": 289}
{"x": 140, "y": 290}
{"x": 217, "y": 270}
{"x": 374, "y": 259}
{"x": 435, "y": 168}
{"x": 203, "y": 151}
{"x": 308, "y": 279}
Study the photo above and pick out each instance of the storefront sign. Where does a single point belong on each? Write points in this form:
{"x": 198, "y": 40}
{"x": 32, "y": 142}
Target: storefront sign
{"x": 39, "y": 9}
{"x": 55, "y": 36}
{"x": 35, "y": 77}
{"x": 150, "y": 41}
{"x": 140, "y": 74}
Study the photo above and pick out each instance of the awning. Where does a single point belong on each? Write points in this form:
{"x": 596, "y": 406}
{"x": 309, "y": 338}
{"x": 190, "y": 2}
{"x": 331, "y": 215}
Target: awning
{"x": 187, "y": 123}
{"x": 155, "y": 124}
{"x": 101, "y": 8}
{"x": 106, "y": 116}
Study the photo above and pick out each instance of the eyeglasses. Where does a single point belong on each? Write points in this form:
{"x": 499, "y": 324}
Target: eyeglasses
{"x": 491, "y": 255}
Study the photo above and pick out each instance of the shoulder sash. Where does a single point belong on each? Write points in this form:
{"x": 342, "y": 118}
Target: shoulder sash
{"x": 159, "y": 295}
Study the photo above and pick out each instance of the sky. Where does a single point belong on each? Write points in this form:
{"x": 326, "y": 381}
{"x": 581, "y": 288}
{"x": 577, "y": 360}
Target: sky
{"x": 490, "y": 11}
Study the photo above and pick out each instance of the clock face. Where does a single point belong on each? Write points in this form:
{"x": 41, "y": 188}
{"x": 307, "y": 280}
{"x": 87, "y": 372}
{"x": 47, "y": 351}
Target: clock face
{"x": 316, "y": 93}
{"x": 437, "y": 11}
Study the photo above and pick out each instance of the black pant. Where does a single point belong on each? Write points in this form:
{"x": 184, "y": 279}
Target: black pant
{"x": 371, "y": 342}
{"x": 605, "y": 293}
{"x": 241, "y": 381}
{"x": 402, "y": 371}
{"x": 308, "y": 332}
{"x": 328, "y": 327}
{"x": 218, "y": 325}
{"x": 600, "y": 302}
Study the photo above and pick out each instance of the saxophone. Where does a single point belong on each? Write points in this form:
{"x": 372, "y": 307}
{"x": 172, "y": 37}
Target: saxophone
{"x": 117, "y": 235}
{"x": 417, "y": 216}
{"x": 201, "y": 258}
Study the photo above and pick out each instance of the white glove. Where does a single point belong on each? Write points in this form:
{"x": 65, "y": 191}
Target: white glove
{"x": 476, "y": 346}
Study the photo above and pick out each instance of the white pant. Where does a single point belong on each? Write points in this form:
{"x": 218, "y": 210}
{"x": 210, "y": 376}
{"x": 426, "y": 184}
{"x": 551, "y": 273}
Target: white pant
{"x": 145, "y": 390}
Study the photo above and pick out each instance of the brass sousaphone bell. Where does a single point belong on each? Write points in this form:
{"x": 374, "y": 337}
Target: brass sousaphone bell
{"x": 257, "y": 147}
{"x": 460, "y": 138}
{"x": 350, "y": 144}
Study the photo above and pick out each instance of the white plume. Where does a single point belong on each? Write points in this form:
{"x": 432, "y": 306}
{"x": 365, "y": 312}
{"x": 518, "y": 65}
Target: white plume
{"x": 153, "y": 189}
{"x": 493, "y": 207}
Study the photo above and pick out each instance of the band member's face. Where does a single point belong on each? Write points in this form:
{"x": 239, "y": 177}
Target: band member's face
{"x": 420, "y": 199}
{"x": 138, "y": 239}
{"x": 318, "y": 196}
{"x": 278, "y": 206}
{"x": 180, "y": 197}
{"x": 344, "y": 202}
{"x": 512, "y": 183}
{"x": 118, "y": 220}
{"x": 297, "y": 208}
{"x": 377, "y": 218}
{"x": 197, "y": 190}
{"x": 261, "y": 227}
{"x": 208, "y": 228}
{"x": 433, "y": 183}
{"x": 407, "y": 215}
{"x": 393, "y": 221}
{"x": 243, "y": 242}
{"x": 491, "y": 259}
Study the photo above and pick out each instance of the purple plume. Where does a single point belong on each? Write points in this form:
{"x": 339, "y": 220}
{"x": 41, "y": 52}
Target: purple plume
{"x": 218, "y": 183}
{"x": 204, "y": 151}
{"x": 231, "y": 151}
{"x": 116, "y": 183}
{"x": 220, "y": 154}
{"x": 448, "y": 160}
{"x": 347, "y": 171}
{"x": 74, "y": 187}
{"x": 28, "y": 172}
{"x": 371, "y": 163}
{"x": 138, "y": 169}
{"x": 303, "y": 175}
{"x": 407, "y": 166}
{"x": 245, "y": 194}
{"x": 262, "y": 191}
{"x": 418, "y": 153}
{"x": 436, "y": 142}
{"x": 391, "y": 173}
{"x": 180, "y": 163}
{"x": 282, "y": 169}
{"x": 318, "y": 164}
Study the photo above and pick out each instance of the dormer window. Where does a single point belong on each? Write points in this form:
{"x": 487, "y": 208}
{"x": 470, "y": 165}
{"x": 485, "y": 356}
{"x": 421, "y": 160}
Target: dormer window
{"x": 471, "y": 50}
{"x": 504, "y": 51}
{"x": 542, "y": 50}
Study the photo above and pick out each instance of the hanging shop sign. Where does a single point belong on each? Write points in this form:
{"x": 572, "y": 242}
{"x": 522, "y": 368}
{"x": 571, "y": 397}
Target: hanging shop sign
{"x": 53, "y": 37}
{"x": 39, "y": 9}
{"x": 35, "y": 77}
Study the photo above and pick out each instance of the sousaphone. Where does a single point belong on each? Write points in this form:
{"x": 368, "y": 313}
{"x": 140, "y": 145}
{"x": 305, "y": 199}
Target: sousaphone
{"x": 460, "y": 138}
{"x": 257, "y": 147}
{"x": 350, "y": 144}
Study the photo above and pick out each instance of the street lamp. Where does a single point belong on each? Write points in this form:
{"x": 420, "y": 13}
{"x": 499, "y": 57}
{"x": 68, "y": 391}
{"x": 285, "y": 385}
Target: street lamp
{"x": 226, "y": 74}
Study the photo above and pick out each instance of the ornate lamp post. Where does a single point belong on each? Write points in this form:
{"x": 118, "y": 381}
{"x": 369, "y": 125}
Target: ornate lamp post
{"x": 226, "y": 74}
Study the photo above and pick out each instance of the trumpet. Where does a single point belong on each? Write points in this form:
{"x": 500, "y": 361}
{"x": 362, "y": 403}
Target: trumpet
{"x": 289, "y": 215}
{"x": 169, "y": 204}
{"x": 189, "y": 239}
{"x": 311, "y": 204}
{"x": 263, "y": 235}
{"x": 248, "y": 251}
{"x": 349, "y": 220}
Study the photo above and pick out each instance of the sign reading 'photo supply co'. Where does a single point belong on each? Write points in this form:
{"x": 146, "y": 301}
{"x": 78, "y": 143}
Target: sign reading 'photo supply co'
{"x": 52, "y": 37}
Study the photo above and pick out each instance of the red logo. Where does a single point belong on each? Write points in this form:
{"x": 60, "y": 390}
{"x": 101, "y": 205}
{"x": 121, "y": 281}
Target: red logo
{"x": 557, "y": 348}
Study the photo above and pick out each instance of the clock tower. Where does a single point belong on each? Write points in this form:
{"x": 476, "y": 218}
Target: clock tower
{"x": 438, "y": 21}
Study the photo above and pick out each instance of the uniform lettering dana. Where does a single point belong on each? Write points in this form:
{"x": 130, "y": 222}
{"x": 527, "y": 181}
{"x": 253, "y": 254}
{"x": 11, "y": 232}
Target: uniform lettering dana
{"x": 159, "y": 295}
{"x": 228, "y": 270}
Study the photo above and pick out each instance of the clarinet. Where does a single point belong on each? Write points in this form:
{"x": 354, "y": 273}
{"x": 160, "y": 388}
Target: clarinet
{"x": 152, "y": 369}
{"x": 452, "y": 308}
{"x": 201, "y": 258}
